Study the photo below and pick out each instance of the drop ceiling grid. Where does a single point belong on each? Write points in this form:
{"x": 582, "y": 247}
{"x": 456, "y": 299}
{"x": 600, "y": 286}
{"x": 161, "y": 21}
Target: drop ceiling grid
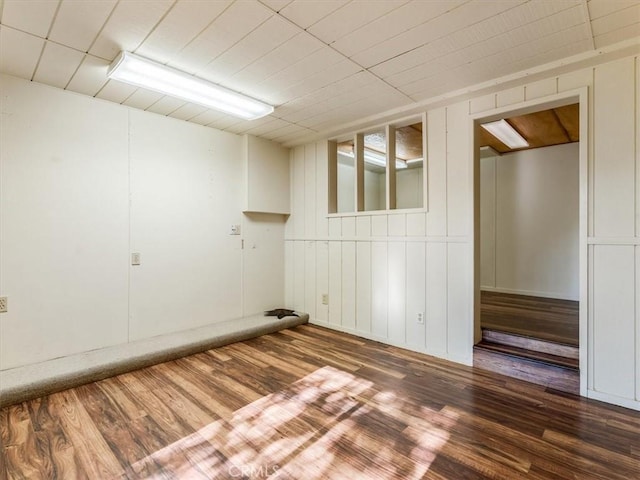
{"x": 230, "y": 27}
{"x": 464, "y": 16}
{"x": 19, "y": 52}
{"x": 91, "y": 14}
{"x": 181, "y": 25}
{"x": 305, "y": 13}
{"x": 57, "y": 65}
{"x": 489, "y": 30}
{"x": 616, "y": 20}
{"x": 142, "y": 99}
{"x": 128, "y": 26}
{"x": 502, "y": 59}
{"x": 34, "y": 16}
{"x": 90, "y": 77}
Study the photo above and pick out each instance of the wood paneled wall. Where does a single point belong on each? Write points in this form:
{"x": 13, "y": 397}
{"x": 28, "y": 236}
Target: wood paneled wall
{"x": 381, "y": 269}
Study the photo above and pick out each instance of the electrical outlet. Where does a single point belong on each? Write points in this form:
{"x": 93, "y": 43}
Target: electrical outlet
{"x": 135, "y": 258}
{"x": 4, "y": 304}
{"x": 325, "y": 299}
{"x": 234, "y": 230}
{"x": 420, "y": 318}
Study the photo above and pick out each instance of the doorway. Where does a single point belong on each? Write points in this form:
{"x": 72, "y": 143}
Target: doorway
{"x": 530, "y": 242}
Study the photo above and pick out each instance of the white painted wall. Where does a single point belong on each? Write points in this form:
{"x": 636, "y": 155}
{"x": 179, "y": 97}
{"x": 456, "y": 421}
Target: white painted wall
{"x": 86, "y": 182}
{"x": 433, "y": 261}
{"x": 529, "y": 222}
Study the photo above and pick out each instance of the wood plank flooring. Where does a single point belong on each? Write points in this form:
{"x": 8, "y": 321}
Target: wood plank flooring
{"x": 316, "y": 404}
{"x": 545, "y": 318}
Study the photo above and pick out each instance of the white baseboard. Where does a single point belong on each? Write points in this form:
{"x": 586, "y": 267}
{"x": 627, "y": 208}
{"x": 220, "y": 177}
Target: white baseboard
{"x": 456, "y": 358}
{"x": 613, "y": 399}
{"x": 529, "y": 293}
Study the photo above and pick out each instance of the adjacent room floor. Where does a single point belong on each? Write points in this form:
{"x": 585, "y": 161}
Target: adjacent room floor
{"x": 316, "y": 404}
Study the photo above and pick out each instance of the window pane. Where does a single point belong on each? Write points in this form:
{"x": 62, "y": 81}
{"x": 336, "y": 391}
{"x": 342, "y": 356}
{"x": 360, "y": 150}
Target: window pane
{"x": 346, "y": 177}
{"x": 409, "y": 166}
{"x": 375, "y": 171}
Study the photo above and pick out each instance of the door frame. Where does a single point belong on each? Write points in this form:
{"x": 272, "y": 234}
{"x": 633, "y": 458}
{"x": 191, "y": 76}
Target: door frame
{"x": 580, "y": 96}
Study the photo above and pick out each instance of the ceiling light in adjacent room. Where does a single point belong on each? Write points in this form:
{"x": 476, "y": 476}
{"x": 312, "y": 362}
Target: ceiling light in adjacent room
{"x": 505, "y": 133}
{"x": 138, "y": 71}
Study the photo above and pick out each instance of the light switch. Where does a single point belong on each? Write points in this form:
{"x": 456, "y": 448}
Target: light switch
{"x": 235, "y": 230}
{"x": 135, "y": 258}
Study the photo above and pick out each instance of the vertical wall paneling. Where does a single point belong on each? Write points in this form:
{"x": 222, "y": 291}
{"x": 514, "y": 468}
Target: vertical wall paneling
{"x": 437, "y": 177}
{"x": 614, "y": 167}
{"x": 436, "y": 298}
{"x": 614, "y": 318}
{"x": 322, "y": 279}
{"x": 510, "y": 96}
{"x": 322, "y": 189}
{"x": 363, "y": 286}
{"x": 397, "y": 225}
{"x": 335, "y": 282}
{"x": 397, "y": 259}
{"x": 310, "y": 278}
{"x": 335, "y": 227}
{"x": 488, "y": 221}
{"x": 298, "y": 192}
{"x": 637, "y": 302}
{"x": 459, "y": 325}
{"x": 359, "y": 177}
{"x": 416, "y": 288}
{"x": 298, "y": 275}
{"x": 416, "y": 225}
{"x": 379, "y": 225}
{"x": 349, "y": 285}
{"x": 289, "y": 272}
{"x": 379, "y": 289}
{"x": 481, "y": 104}
{"x": 458, "y": 134}
{"x": 390, "y": 134}
{"x": 348, "y": 226}
{"x": 331, "y": 186}
{"x": 310, "y": 190}
{"x": 637, "y": 108}
{"x": 541, "y": 88}
{"x": 363, "y": 227}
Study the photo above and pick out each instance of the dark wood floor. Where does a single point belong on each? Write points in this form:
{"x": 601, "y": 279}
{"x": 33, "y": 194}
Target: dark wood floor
{"x": 316, "y": 404}
{"x": 545, "y": 318}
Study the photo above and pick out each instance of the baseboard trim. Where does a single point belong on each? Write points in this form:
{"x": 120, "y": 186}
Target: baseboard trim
{"x": 614, "y": 400}
{"x": 452, "y": 357}
{"x": 32, "y": 381}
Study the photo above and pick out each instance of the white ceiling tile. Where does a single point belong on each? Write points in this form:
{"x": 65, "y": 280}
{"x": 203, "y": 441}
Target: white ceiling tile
{"x": 19, "y": 52}
{"x": 142, "y": 99}
{"x": 90, "y": 77}
{"x": 259, "y": 130}
{"x": 166, "y": 105}
{"x": 77, "y": 24}
{"x": 225, "y": 122}
{"x": 282, "y": 57}
{"x": 115, "y": 91}
{"x": 57, "y": 65}
{"x": 276, "y": 5}
{"x": 187, "y": 111}
{"x": 181, "y": 25}
{"x": 305, "y": 13}
{"x": 33, "y": 16}
{"x": 446, "y": 22}
{"x": 229, "y": 27}
{"x": 265, "y": 38}
{"x": 394, "y": 23}
{"x": 289, "y": 129}
{"x": 616, "y": 20}
{"x": 206, "y": 117}
{"x": 602, "y": 8}
{"x": 350, "y": 17}
{"x": 130, "y": 23}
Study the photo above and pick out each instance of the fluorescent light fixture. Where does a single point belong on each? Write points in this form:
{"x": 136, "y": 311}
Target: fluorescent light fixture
{"x": 505, "y": 133}
{"x": 138, "y": 71}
